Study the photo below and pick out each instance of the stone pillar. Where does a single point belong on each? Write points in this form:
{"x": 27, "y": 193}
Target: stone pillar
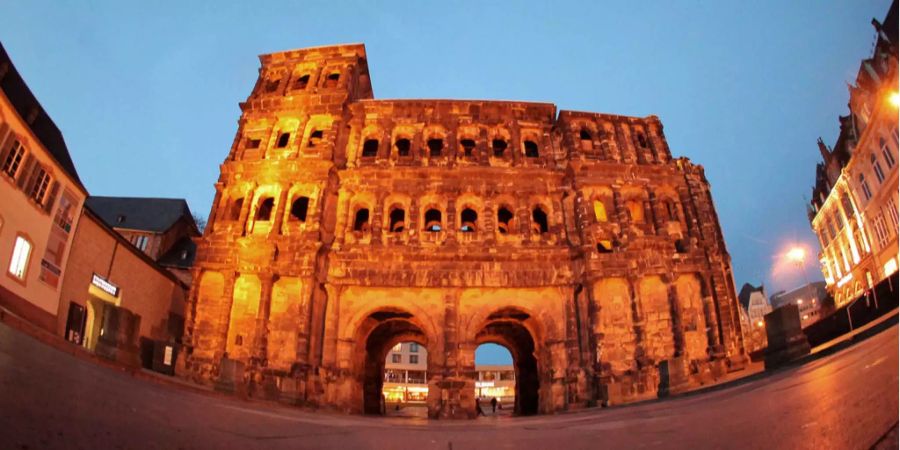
{"x": 657, "y": 217}
{"x": 279, "y": 218}
{"x": 214, "y": 212}
{"x": 712, "y": 319}
{"x": 245, "y": 211}
{"x": 450, "y": 221}
{"x": 676, "y": 316}
{"x": 377, "y": 226}
{"x": 225, "y": 313}
{"x": 266, "y": 281}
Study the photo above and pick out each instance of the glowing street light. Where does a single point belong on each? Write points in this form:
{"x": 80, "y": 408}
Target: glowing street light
{"x": 759, "y": 324}
{"x": 894, "y": 98}
{"x": 797, "y": 255}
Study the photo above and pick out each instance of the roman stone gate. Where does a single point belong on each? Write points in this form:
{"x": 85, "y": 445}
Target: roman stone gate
{"x": 343, "y": 225}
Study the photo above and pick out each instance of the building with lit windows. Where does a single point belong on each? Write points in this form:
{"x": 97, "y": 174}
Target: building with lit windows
{"x": 405, "y": 377}
{"x": 754, "y": 301}
{"x": 809, "y": 298}
{"x": 41, "y": 196}
{"x": 854, "y": 206}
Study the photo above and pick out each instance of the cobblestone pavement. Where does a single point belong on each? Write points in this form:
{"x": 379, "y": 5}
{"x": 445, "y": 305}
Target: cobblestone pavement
{"x": 52, "y": 400}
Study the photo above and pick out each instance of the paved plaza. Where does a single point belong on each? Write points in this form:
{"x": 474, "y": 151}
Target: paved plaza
{"x": 52, "y": 400}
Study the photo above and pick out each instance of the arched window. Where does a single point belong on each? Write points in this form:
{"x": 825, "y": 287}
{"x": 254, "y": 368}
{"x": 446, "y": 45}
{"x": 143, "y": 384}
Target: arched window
{"x": 642, "y": 140}
{"x": 315, "y": 137}
{"x": 332, "y": 80}
{"x": 604, "y": 246}
{"x": 468, "y": 146}
{"x": 888, "y": 155}
{"x": 403, "y": 147}
{"x": 879, "y": 174}
{"x": 539, "y": 221}
{"x": 361, "y": 220}
{"x": 235, "y": 212}
{"x": 635, "y": 210}
{"x": 865, "y": 186}
{"x": 299, "y": 209}
{"x": 283, "y": 140}
{"x": 272, "y": 84}
{"x": 301, "y": 82}
{"x": 370, "y": 148}
{"x": 398, "y": 220}
{"x": 432, "y": 220}
{"x": 504, "y": 220}
{"x": 499, "y": 147}
{"x": 584, "y": 135}
{"x": 531, "y": 149}
{"x": 264, "y": 213}
{"x": 468, "y": 218}
{"x": 435, "y": 146}
{"x": 600, "y": 211}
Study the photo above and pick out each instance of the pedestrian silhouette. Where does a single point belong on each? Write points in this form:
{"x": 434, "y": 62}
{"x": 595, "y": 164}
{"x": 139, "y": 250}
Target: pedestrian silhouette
{"x": 494, "y": 405}
{"x": 478, "y": 411}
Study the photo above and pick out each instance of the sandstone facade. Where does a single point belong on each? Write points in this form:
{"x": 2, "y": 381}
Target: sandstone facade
{"x": 343, "y": 225}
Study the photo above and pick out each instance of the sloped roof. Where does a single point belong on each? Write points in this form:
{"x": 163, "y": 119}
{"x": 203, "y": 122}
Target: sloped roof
{"x": 137, "y": 213}
{"x": 746, "y": 290}
{"x": 42, "y": 125}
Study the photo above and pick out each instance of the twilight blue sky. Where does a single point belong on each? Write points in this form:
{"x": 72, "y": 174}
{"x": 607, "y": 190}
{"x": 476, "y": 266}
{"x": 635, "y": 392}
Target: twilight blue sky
{"x": 147, "y": 94}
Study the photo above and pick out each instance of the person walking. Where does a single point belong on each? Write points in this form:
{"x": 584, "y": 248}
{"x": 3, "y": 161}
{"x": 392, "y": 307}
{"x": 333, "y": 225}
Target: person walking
{"x": 494, "y": 405}
{"x": 478, "y": 410}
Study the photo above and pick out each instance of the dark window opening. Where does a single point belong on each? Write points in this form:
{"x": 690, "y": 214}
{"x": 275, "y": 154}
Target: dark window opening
{"x": 264, "y": 212}
{"x": 499, "y": 147}
{"x": 432, "y": 220}
{"x": 435, "y": 146}
{"x": 235, "y": 212}
{"x": 252, "y": 143}
{"x": 468, "y": 146}
{"x": 398, "y": 219}
{"x": 531, "y": 149}
{"x": 539, "y": 219}
{"x": 370, "y": 148}
{"x": 314, "y": 138}
{"x": 283, "y": 139}
{"x": 642, "y": 140}
{"x": 604, "y": 246}
{"x": 504, "y": 220}
{"x": 299, "y": 209}
{"x": 585, "y": 135}
{"x": 332, "y": 80}
{"x": 681, "y": 246}
{"x": 301, "y": 82}
{"x": 272, "y": 85}
{"x": 468, "y": 218}
{"x": 361, "y": 221}
{"x": 403, "y": 146}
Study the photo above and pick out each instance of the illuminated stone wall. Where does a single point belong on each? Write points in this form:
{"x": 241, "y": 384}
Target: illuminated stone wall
{"x": 343, "y": 225}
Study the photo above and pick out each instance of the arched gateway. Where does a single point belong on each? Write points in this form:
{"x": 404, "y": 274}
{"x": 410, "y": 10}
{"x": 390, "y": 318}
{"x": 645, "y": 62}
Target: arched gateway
{"x": 343, "y": 225}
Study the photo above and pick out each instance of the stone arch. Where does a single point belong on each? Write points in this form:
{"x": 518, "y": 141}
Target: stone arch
{"x": 210, "y": 301}
{"x": 474, "y": 204}
{"x": 359, "y": 202}
{"x": 315, "y": 131}
{"x": 635, "y": 200}
{"x": 370, "y": 133}
{"x": 496, "y": 136}
{"x": 467, "y": 141}
{"x": 286, "y": 319}
{"x": 542, "y": 222}
{"x": 399, "y": 149}
{"x": 659, "y": 343}
{"x": 279, "y": 147}
{"x": 432, "y": 202}
{"x": 506, "y": 224}
{"x": 689, "y": 292}
{"x": 392, "y": 204}
{"x": 291, "y": 223}
{"x": 519, "y": 332}
{"x": 260, "y": 195}
{"x": 531, "y": 145}
{"x": 432, "y": 134}
{"x": 613, "y": 326}
{"x": 242, "y": 323}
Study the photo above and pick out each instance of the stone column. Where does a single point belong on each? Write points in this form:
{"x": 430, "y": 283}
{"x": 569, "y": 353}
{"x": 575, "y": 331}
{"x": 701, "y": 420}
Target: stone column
{"x": 377, "y": 228}
{"x": 676, "y": 316}
{"x": 657, "y": 218}
{"x": 245, "y": 211}
{"x": 260, "y": 341}
{"x": 224, "y": 320}
{"x": 214, "y": 212}
{"x": 450, "y": 221}
{"x": 279, "y": 218}
{"x": 710, "y": 314}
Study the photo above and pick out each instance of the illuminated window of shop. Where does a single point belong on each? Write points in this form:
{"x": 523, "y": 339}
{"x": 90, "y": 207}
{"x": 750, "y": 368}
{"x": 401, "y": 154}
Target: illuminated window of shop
{"x": 18, "y": 264}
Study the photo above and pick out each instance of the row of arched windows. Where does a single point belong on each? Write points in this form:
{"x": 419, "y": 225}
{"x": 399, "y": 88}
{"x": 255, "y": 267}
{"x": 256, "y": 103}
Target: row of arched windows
{"x": 433, "y": 220}
{"x": 435, "y": 147}
{"x": 301, "y": 81}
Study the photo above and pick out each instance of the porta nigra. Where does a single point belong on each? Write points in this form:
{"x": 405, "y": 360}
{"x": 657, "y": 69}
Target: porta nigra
{"x": 343, "y": 225}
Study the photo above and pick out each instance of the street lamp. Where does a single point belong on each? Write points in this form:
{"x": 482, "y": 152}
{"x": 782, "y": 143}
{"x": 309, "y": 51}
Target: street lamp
{"x": 894, "y": 98}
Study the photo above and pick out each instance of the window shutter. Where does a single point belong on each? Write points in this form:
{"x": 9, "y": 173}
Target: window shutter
{"x": 25, "y": 171}
{"x": 51, "y": 196}
{"x": 4, "y": 149}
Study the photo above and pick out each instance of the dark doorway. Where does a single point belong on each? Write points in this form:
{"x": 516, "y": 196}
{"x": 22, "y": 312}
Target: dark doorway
{"x": 75, "y": 323}
{"x": 387, "y": 329}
